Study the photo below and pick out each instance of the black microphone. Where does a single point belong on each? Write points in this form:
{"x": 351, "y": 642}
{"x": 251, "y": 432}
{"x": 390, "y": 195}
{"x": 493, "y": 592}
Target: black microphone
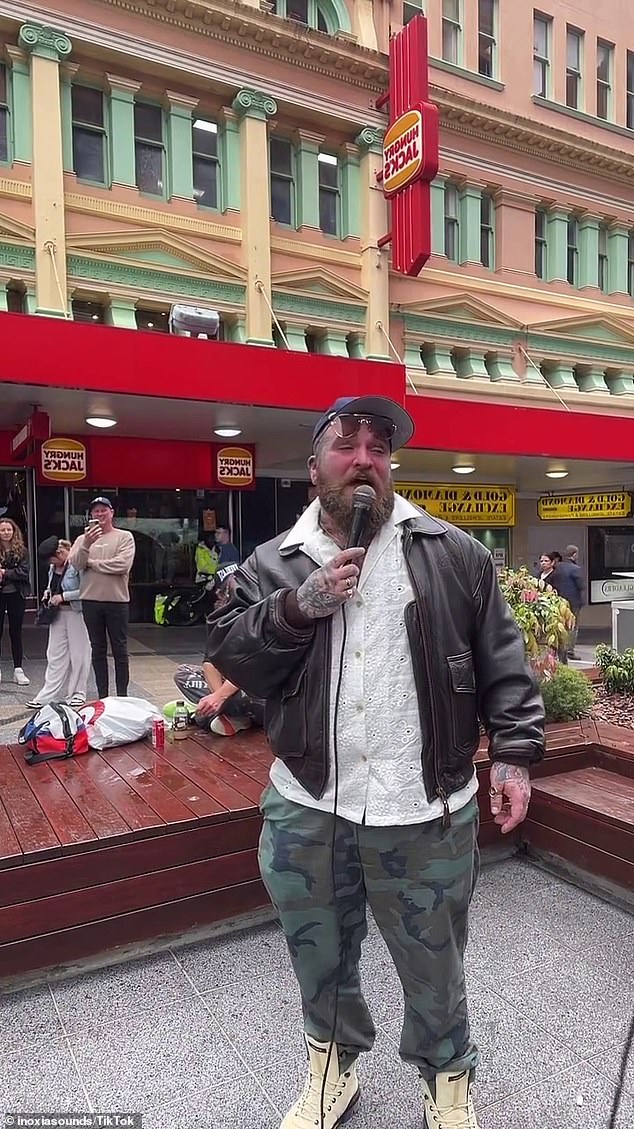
{"x": 362, "y": 499}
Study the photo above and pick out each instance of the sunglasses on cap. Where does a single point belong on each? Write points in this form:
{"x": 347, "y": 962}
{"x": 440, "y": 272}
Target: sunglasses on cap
{"x": 347, "y": 425}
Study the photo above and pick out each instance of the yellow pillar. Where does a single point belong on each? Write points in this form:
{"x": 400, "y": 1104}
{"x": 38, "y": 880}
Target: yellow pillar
{"x": 47, "y": 48}
{"x": 253, "y": 109}
{"x": 375, "y": 274}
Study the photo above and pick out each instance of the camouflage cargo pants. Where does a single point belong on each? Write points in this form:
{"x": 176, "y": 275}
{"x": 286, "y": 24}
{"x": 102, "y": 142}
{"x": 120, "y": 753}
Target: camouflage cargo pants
{"x": 418, "y": 881}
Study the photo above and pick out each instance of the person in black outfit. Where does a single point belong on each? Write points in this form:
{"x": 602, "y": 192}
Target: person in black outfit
{"x": 14, "y": 588}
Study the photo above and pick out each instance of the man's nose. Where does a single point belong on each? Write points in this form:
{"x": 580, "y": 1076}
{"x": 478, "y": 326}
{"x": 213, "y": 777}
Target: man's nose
{"x": 363, "y": 455}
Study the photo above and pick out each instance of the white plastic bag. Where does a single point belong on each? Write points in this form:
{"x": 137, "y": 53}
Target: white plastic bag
{"x": 118, "y": 721}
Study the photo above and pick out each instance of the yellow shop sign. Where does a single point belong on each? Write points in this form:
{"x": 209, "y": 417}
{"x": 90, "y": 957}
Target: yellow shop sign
{"x": 462, "y": 505}
{"x": 585, "y": 507}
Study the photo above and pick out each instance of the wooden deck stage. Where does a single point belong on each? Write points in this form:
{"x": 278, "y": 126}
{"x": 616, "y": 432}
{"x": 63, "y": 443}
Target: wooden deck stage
{"x": 130, "y": 845}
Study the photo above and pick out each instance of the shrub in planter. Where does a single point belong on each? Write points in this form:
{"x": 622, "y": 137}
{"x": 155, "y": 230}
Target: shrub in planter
{"x": 567, "y": 695}
{"x": 617, "y": 669}
{"x": 541, "y": 614}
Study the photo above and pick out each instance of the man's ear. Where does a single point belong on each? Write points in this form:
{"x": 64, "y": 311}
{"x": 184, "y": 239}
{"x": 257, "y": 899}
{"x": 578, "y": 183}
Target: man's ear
{"x": 312, "y": 470}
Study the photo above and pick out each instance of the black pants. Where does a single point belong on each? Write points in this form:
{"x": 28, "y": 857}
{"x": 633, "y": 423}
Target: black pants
{"x": 14, "y": 604}
{"x": 101, "y": 617}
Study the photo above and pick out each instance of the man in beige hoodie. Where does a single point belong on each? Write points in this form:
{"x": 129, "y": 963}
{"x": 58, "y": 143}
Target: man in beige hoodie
{"x": 103, "y": 557}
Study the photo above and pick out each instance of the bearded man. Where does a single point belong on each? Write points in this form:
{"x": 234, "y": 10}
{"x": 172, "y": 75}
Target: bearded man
{"x": 377, "y": 664}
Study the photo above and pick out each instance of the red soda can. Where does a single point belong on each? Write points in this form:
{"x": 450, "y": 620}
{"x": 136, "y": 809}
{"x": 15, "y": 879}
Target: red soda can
{"x": 158, "y": 734}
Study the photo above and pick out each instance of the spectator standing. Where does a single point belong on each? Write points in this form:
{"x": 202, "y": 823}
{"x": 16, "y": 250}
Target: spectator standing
{"x": 14, "y": 588}
{"x": 103, "y": 556}
{"x": 68, "y": 650}
{"x": 570, "y": 583}
{"x": 228, "y": 554}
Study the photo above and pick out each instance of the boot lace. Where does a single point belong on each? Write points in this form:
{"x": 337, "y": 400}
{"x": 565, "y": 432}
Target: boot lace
{"x": 309, "y": 1101}
{"x": 462, "y": 1115}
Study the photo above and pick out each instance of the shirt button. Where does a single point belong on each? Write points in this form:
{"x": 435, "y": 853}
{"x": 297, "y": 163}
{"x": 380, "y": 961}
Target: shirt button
{"x": 357, "y": 654}
{"x": 359, "y": 603}
{"x": 359, "y": 707}
{"x": 364, "y": 758}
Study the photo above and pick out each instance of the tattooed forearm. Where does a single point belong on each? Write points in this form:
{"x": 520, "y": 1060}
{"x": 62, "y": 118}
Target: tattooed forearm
{"x": 502, "y": 773}
{"x": 328, "y": 587}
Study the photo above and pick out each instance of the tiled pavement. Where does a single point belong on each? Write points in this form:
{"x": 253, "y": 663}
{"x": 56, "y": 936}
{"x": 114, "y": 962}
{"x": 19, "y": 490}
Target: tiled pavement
{"x": 210, "y": 1034}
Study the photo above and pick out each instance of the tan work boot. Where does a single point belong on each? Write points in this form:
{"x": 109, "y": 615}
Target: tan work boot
{"x": 340, "y": 1093}
{"x": 448, "y": 1102}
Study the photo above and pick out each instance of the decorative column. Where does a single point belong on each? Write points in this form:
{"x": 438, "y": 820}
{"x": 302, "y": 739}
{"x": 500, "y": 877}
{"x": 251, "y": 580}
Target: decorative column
{"x": 179, "y": 133}
{"x": 375, "y": 276}
{"x": 618, "y": 244}
{"x": 229, "y": 148}
{"x": 122, "y": 161}
{"x": 122, "y": 311}
{"x": 590, "y": 378}
{"x": 438, "y": 216}
{"x": 47, "y": 47}
{"x": 412, "y": 351}
{"x": 22, "y": 113}
{"x": 307, "y": 195}
{"x": 589, "y": 252}
{"x": 557, "y": 236}
{"x": 350, "y": 191}
{"x": 560, "y": 375}
{"x": 253, "y": 109}
{"x": 470, "y": 214}
{"x": 437, "y": 359}
{"x": 470, "y": 364}
{"x": 296, "y": 337}
{"x": 4, "y": 297}
{"x": 620, "y": 383}
{"x": 334, "y": 343}
{"x": 67, "y": 73}
{"x": 500, "y": 367}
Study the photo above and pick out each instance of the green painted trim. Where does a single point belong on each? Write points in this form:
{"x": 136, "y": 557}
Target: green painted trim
{"x": 316, "y": 307}
{"x": 462, "y": 72}
{"x": 21, "y": 116}
{"x": 580, "y": 116}
{"x": 471, "y": 363}
{"x": 620, "y": 384}
{"x": 500, "y": 367}
{"x": 469, "y": 229}
{"x": 121, "y": 137}
{"x": 30, "y": 300}
{"x": 67, "y": 122}
{"x": 593, "y": 380}
{"x": 41, "y": 311}
{"x": 122, "y": 313}
{"x": 557, "y": 247}
{"x": 333, "y": 343}
{"x": 578, "y": 350}
{"x": 4, "y": 297}
{"x": 560, "y": 375}
{"x": 412, "y": 355}
{"x": 11, "y": 255}
{"x": 370, "y": 139}
{"x": 350, "y": 197}
{"x": 296, "y": 337}
{"x": 588, "y": 253}
{"x": 180, "y": 160}
{"x": 138, "y": 278}
{"x": 230, "y": 167}
{"x": 437, "y": 360}
{"x": 237, "y": 332}
{"x": 307, "y": 194}
{"x": 438, "y": 217}
{"x": 429, "y": 329}
{"x": 357, "y": 348}
{"x": 46, "y": 42}
{"x": 617, "y": 261}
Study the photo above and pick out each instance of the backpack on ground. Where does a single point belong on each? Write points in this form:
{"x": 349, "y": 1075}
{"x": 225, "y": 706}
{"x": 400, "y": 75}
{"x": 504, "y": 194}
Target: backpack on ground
{"x": 55, "y": 732}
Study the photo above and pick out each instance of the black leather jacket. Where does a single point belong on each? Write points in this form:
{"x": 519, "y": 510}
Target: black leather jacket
{"x": 468, "y": 659}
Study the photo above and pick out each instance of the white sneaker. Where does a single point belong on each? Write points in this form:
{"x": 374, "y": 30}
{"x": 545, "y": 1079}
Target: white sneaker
{"x": 340, "y": 1092}
{"x": 448, "y": 1102}
{"x": 228, "y": 726}
{"x": 77, "y": 701}
{"x": 20, "y": 677}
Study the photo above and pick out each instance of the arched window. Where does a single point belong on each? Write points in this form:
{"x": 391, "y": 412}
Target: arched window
{"x": 329, "y": 16}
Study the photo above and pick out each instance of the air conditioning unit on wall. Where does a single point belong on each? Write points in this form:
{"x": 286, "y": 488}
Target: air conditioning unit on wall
{"x": 622, "y": 625}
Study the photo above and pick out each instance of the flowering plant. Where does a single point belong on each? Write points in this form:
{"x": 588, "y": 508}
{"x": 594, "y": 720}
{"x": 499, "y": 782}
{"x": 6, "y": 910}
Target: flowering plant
{"x": 542, "y": 615}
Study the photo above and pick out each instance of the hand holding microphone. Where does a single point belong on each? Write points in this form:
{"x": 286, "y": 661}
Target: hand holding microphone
{"x": 330, "y": 586}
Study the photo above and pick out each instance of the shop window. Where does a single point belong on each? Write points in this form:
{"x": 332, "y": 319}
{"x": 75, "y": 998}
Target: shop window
{"x": 605, "y": 62}
{"x": 630, "y": 264}
{"x": 308, "y": 12}
{"x": 4, "y": 113}
{"x": 149, "y": 148}
{"x": 487, "y": 231}
{"x": 282, "y": 162}
{"x": 156, "y": 321}
{"x": 542, "y": 31}
{"x": 411, "y": 8}
{"x": 610, "y": 563}
{"x": 329, "y": 193}
{"x": 541, "y": 242}
{"x": 451, "y": 31}
{"x": 16, "y": 298}
{"x": 89, "y": 134}
{"x": 94, "y": 312}
{"x": 487, "y": 46}
{"x": 574, "y": 54}
{"x": 629, "y": 98}
{"x": 603, "y": 258}
{"x": 205, "y": 160}
{"x": 452, "y": 222}
{"x": 572, "y": 257}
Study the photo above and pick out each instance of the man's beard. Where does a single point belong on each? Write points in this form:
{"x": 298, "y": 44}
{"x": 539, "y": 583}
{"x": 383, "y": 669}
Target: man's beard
{"x": 338, "y": 505}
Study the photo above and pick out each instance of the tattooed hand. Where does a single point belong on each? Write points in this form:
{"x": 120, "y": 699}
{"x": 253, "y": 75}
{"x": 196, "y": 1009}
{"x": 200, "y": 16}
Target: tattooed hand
{"x": 329, "y": 587}
{"x": 510, "y": 793}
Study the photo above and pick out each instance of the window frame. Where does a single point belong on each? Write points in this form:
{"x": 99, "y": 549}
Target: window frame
{"x": 318, "y": 17}
{"x": 452, "y": 25}
{"x": 572, "y": 251}
{"x": 287, "y": 178}
{"x": 212, "y": 160}
{"x": 152, "y": 143}
{"x": 330, "y": 189}
{"x": 575, "y": 73}
{"x": 411, "y": 9}
{"x": 451, "y": 223}
{"x": 5, "y": 115}
{"x": 93, "y": 319}
{"x": 630, "y": 262}
{"x": 490, "y": 37}
{"x": 542, "y": 60}
{"x": 603, "y": 258}
{"x": 541, "y": 244}
{"x": 629, "y": 90}
{"x": 487, "y": 231}
{"x": 605, "y": 87}
{"x": 89, "y": 127}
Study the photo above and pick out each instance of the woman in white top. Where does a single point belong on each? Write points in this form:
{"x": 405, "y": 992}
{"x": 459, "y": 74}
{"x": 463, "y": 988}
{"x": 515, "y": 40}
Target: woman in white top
{"x": 68, "y": 655}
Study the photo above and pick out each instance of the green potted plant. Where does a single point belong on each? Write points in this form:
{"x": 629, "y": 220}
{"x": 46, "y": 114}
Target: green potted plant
{"x": 543, "y": 617}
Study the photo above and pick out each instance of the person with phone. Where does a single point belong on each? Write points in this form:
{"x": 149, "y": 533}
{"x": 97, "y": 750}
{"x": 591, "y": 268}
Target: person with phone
{"x": 103, "y": 555}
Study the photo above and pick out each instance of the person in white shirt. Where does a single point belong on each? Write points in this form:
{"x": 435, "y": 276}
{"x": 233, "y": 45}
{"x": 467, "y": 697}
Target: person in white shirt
{"x": 377, "y": 663}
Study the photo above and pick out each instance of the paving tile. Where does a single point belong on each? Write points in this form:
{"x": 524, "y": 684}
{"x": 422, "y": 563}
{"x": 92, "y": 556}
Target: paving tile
{"x": 239, "y": 1104}
{"x": 252, "y": 953}
{"x": 501, "y": 945}
{"x": 577, "y": 1099}
{"x": 137, "y": 985}
{"x": 153, "y": 1057}
{"x": 28, "y": 1016}
{"x": 582, "y": 919}
{"x": 609, "y": 1064}
{"x": 262, "y": 1018}
{"x": 36, "y": 1077}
